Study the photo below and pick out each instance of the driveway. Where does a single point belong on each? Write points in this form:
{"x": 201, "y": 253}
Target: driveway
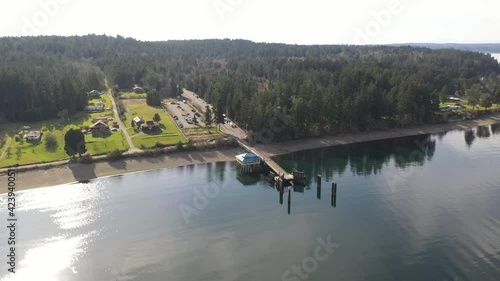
{"x": 122, "y": 126}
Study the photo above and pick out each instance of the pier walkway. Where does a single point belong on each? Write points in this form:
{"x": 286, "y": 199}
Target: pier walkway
{"x": 277, "y": 169}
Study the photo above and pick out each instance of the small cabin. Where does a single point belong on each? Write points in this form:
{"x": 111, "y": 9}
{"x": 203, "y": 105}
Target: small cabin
{"x": 249, "y": 162}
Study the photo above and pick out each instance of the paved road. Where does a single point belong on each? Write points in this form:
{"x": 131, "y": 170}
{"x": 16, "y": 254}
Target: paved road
{"x": 122, "y": 126}
{"x": 198, "y": 102}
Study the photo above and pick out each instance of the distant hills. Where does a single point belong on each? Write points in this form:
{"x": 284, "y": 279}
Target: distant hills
{"x": 484, "y": 48}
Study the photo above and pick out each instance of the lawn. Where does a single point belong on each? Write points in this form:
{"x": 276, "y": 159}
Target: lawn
{"x": 130, "y": 95}
{"x": 466, "y": 106}
{"x": 201, "y": 133}
{"x": 35, "y": 152}
{"x": 170, "y": 134}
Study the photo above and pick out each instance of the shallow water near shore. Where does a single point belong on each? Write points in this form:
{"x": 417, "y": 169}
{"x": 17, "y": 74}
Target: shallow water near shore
{"x": 415, "y": 208}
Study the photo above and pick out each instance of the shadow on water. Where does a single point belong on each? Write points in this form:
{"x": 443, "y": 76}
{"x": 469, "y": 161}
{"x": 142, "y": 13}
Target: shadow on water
{"x": 495, "y": 129}
{"x": 483, "y": 132}
{"x": 469, "y": 137}
{"x": 362, "y": 159}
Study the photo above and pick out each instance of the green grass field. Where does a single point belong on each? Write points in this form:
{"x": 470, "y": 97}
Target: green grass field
{"x": 31, "y": 152}
{"x": 130, "y": 95}
{"x": 170, "y": 134}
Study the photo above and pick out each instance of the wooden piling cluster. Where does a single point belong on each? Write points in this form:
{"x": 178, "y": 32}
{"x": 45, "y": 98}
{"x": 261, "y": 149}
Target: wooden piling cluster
{"x": 299, "y": 177}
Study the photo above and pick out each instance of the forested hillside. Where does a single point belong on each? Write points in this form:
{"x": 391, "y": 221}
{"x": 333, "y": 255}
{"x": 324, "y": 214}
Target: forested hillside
{"x": 325, "y": 89}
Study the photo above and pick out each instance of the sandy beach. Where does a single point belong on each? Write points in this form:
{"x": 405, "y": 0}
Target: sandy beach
{"x": 68, "y": 173}
{"x": 81, "y": 172}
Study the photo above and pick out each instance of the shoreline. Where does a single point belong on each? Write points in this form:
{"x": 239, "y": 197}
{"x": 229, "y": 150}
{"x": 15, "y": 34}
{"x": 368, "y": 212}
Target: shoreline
{"x": 287, "y": 147}
{"x": 77, "y": 172}
{"x": 71, "y": 173}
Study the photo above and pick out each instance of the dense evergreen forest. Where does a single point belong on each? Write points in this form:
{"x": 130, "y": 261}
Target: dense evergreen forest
{"x": 324, "y": 89}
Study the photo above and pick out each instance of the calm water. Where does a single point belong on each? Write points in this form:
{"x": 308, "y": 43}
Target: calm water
{"x": 425, "y": 208}
{"x": 497, "y": 56}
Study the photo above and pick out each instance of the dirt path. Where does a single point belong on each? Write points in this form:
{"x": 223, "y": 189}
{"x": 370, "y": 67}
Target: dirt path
{"x": 7, "y": 145}
{"x": 122, "y": 126}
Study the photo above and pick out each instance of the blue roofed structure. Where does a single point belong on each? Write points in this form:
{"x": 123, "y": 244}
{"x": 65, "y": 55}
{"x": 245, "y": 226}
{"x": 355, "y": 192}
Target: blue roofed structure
{"x": 249, "y": 162}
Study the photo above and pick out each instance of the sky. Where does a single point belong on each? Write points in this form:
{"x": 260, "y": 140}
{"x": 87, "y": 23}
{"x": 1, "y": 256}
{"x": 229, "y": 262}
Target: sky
{"x": 279, "y": 21}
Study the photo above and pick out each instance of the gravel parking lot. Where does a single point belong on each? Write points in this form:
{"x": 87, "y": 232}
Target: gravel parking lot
{"x": 183, "y": 111}
{"x": 226, "y": 127}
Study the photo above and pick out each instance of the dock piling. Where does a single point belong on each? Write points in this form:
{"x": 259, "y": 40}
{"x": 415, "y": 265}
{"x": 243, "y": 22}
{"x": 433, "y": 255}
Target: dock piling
{"x": 318, "y": 192}
{"x": 281, "y": 196}
{"x": 289, "y": 200}
{"x": 334, "y": 195}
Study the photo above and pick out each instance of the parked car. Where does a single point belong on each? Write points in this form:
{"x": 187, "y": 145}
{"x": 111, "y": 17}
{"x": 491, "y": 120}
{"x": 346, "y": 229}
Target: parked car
{"x": 453, "y": 107}
{"x": 193, "y": 110}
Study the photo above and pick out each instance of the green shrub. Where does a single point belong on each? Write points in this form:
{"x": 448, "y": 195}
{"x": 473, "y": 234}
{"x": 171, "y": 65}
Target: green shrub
{"x": 179, "y": 146}
{"x": 160, "y": 145}
{"x": 51, "y": 143}
{"x": 190, "y": 145}
{"x": 87, "y": 159}
{"x": 115, "y": 155}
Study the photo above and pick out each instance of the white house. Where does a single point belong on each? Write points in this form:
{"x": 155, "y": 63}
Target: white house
{"x": 97, "y": 107}
{"x": 34, "y": 135}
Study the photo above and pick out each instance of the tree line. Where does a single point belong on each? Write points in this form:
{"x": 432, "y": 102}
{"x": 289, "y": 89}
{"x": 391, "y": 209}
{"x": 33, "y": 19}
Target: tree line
{"x": 323, "y": 89}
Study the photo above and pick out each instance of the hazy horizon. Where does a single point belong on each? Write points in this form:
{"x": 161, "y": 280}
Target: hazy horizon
{"x": 378, "y": 22}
